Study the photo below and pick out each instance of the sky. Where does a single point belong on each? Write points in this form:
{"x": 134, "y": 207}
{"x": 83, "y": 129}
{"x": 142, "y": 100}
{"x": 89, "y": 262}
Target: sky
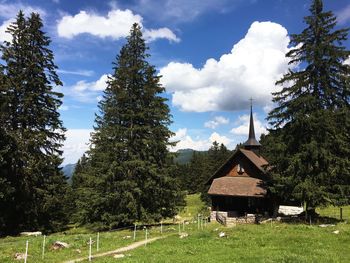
{"x": 213, "y": 55}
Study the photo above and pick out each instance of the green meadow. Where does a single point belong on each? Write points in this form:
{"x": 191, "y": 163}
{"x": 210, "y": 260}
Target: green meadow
{"x": 249, "y": 243}
{"x": 270, "y": 242}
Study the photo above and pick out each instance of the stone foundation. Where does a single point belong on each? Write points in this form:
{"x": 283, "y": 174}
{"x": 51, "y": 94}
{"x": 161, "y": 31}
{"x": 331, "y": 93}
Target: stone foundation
{"x": 231, "y": 218}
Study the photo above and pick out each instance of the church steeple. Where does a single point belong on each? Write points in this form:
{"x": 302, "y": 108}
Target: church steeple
{"x": 251, "y": 143}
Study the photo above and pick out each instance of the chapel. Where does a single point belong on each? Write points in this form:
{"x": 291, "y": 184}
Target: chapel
{"x": 238, "y": 189}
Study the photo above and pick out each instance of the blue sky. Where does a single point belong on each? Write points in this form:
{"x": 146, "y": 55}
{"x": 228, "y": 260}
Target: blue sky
{"x": 213, "y": 54}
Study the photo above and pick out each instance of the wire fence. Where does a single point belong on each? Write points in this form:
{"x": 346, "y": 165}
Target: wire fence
{"x": 88, "y": 243}
{"x": 340, "y": 213}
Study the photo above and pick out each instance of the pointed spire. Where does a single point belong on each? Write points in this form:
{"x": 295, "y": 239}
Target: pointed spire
{"x": 251, "y": 142}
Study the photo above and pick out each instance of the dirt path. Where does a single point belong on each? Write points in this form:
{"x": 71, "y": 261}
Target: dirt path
{"x": 119, "y": 250}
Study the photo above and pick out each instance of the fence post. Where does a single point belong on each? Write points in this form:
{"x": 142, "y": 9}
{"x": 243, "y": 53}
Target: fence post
{"x": 146, "y": 237}
{"x": 161, "y": 227}
{"x": 198, "y": 221}
{"x": 341, "y": 213}
{"x": 43, "y": 252}
{"x": 26, "y": 254}
{"x": 98, "y": 242}
{"x": 90, "y": 249}
{"x": 134, "y": 232}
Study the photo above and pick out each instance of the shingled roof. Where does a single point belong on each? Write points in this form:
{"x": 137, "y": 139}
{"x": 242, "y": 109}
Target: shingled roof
{"x": 257, "y": 160}
{"x": 237, "y": 186}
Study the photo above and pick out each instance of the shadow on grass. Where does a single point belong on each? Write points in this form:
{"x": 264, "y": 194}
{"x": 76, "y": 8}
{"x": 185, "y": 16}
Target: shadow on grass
{"x": 311, "y": 220}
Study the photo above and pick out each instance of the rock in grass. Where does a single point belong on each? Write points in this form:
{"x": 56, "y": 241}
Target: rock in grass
{"x": 19, "y": 256}
{"x": 266, "y": 221}
{"x": 58, "y": 245}
{"x": 119, "y": 256}
{"x": 126, "y": 237}
{"x": 183, "y": 235}
{"x": 222, "y": 234}
{"x": 336, "y": 232}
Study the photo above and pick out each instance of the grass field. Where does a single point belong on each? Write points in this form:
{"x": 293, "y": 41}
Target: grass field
{"x": 249, "y": 243}
{"x": 77, "y": 239}
{"x": 334, "y": 212}
{"x": 194, "y": 206}
{"x": 276, "y": 242}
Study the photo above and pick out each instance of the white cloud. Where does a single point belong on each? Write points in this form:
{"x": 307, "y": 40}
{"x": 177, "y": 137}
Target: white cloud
{"x": 218, "y": 120}
{"x": 163, "y": 32}
{"x": 3, "y": 35}
{"x": 242, "y": 127}
{"x": 75, "y": 145}
{"x": 63, "y": 108}
{"x": 85, "y": 73}
{"x": 97, "y": 85}
{"x": 10, "y": 11}
{"x": 249, "y": 70}
{"x": 347, "y": 61}
{"x": 343, "y": 15}
{"x": 185, "y": 141}
{"x": 84, "y": 91}
{"x": 215, "y": 137}
{"x": 116, "y": 25}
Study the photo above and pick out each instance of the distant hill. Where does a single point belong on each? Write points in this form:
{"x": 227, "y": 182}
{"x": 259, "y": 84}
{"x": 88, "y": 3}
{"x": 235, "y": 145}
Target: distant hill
{"x": 68, "y": 170}
{"x": 184, "y": 155}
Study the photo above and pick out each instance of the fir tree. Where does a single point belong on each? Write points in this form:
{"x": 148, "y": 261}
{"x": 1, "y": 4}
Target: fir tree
{"x": 309, "y": 146}
{"x": 129, "y": 176}
{"x": 201, "y": 167}
{"x": 34, "y": 128}
{"x": 199, "y": 170}
{"x": 217, "y": 155}
{"x": 6, "y": 154}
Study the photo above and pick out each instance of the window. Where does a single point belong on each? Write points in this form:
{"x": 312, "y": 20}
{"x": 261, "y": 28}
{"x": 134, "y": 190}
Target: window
{"x": 240, "y": 168}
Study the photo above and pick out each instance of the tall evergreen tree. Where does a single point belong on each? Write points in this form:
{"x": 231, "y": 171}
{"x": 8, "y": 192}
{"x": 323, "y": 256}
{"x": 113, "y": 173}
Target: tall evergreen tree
{"x": 33, "y": 127}
{"x": 201, "y": 167}
{"x": 199, "y": 170}
{"x": 309, "y": 146}
{"x": 217, "y": 155}
{"x": 128, "y": 175}
{"x": 6, "y": 154}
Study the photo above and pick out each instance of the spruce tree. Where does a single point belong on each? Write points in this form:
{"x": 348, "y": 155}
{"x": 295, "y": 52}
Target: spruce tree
{"x": 309, "y": 145}
{"x": 128, "y": 177}
{"x": 6, "y": 154}
{"x": 199, "y": 170}
{"x": 34, "y": 127}
{"x": 216, "y": 157}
